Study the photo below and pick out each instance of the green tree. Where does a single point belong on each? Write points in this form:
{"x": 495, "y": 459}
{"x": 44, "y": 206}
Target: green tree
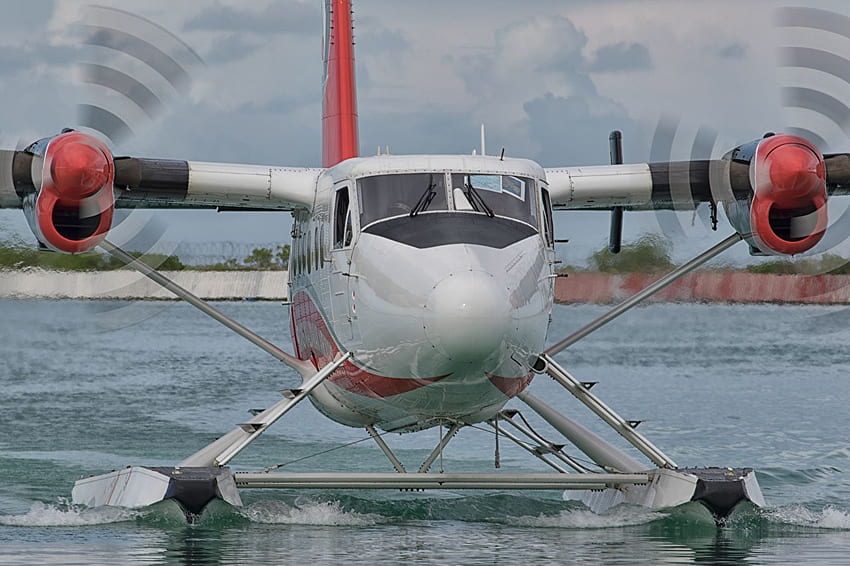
{"x": 260, "y": 258}
{"x": 18, "y": 255}
{"x": 282, "y": 255}
{"x": 268, "y": 258}
{"x": 831, "y": 264}
{"x": 649, "y": 254}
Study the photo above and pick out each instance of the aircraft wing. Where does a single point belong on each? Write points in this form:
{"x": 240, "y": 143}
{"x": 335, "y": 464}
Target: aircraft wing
{"x": 672, "y": 185}
{"x": 774, "y": 190}
{"x": 165, "y": 183}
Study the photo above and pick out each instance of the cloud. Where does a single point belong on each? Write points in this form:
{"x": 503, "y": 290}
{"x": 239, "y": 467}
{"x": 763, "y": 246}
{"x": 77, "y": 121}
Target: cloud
{"x": 279, "y": 17}
{"x": 574, "y": 129}
{"x": 621, "y": 57}
{"x": 733, "y": 51}
{"x": 424, "y": 131}
{"x": 373, "y": 38}
{"x": 528, "y": 48}
{"x": 229, "y": 48}
{"x": 534, "y": 91}
{"x": 33, "y": 56}
{"x": 526, "y": 57}
{"x": 19, "y": 16}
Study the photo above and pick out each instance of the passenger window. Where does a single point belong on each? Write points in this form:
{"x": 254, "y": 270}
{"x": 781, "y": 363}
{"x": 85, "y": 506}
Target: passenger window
{"x": 299, "y": 254}
{"x": 296, "y": 250}
{"x": 308, "y": 253}
{"x": 342, "y": 219}
{"x": 317, "y": 247}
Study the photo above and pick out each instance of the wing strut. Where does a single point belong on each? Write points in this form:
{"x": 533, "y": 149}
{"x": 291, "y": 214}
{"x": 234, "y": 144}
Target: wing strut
{"x": 642, "y": 295}
{"x": 595, "y": 447}
{"x": 598, "y": 450}
{"x": 221, "y": 451}
{"x": 302, "y": 367}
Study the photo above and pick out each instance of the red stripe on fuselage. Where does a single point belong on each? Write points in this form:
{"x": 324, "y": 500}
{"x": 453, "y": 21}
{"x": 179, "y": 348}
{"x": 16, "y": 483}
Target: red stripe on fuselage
{"x": 370, "y": 385}
{"x": 313, "y": 341}
{"x": 510, "y": 386}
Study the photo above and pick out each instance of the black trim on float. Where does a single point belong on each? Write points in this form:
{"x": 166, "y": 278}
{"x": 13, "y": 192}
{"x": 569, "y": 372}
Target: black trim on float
{"x": 428, "y": 230}
{"x": 193, "y": 488}
{"x": 151, "y": 179}
{"x": 720, "y": 489}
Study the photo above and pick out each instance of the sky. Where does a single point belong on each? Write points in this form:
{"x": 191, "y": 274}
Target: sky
{"x": 549, "y": 79}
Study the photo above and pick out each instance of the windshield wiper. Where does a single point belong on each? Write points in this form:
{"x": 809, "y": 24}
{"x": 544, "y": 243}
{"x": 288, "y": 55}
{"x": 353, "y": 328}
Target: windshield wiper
{"x": 475, "y": 200}
{"x": 425, "y": 200}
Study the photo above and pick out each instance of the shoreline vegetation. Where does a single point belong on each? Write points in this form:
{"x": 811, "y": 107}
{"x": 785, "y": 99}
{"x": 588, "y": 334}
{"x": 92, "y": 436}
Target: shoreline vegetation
{"x": 261, "y": 275}
{"x": 18, "y": 256}
{"x": 650, "y": 254}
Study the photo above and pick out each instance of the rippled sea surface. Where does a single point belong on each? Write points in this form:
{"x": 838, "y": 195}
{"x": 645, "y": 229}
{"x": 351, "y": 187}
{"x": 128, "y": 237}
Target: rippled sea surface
{"x": 89, "y": 387}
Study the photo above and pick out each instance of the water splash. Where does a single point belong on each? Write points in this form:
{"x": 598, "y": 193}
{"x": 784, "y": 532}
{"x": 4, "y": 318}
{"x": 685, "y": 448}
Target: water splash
{"x": 586, "y": 519}
{"x": 308, "y": 513}
{"x": 64, "y": 515}
{"x": 827, "y": 518}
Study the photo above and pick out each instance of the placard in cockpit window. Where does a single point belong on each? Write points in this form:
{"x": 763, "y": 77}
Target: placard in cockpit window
{"x": 514, "y": 186}
{"x": 487, "y": 182}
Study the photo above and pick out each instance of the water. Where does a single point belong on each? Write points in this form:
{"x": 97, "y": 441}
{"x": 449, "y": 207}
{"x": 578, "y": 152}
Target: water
{"x": 90, "y": 387}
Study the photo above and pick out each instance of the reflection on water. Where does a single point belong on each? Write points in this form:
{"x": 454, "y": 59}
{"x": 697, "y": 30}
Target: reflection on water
{"x": 327, "y": 531}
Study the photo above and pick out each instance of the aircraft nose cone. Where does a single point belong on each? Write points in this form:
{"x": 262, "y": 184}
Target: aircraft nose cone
{"x": 467, "y": 316}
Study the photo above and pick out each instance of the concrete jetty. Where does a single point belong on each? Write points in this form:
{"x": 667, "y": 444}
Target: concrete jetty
{"x": 127, "y": 284}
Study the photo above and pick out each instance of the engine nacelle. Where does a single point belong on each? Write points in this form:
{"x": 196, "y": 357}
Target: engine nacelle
{"x": 784, "y": 212}
{"x": 71, "y": 203}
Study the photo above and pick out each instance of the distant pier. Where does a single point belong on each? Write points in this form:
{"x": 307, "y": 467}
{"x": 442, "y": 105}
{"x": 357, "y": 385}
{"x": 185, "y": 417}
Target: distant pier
{"x": 707, "y": 286}
{"x": 580, "y": 287}
{"x": 130, "y": 285}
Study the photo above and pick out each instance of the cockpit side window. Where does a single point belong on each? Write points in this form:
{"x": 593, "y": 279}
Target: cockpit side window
{"x": 548, "y": 224}
{"x": 499, "y": 195}
{"x": 342, "y": 233}
{"x": 387, "y": 196}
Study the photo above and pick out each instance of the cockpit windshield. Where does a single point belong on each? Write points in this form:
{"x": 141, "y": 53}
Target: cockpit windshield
{"x": 385, "y": 196}
{"x": 410, "y": 194}
{"x": 496, "y": 195}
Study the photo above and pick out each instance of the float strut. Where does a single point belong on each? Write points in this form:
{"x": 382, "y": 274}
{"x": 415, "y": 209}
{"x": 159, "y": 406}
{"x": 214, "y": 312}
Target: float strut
{"x": 399, "y": 467}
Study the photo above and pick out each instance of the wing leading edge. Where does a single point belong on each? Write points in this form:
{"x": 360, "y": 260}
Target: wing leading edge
{"x": 669, "y": 185}
{"x": 165, "y": 183}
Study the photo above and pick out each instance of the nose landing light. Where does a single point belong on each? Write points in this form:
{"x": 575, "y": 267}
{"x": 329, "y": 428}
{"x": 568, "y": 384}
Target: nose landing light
{"x": 467, "y": 316}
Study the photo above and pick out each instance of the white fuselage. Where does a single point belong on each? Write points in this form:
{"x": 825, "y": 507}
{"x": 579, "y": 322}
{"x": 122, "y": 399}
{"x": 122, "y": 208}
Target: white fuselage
{"x": 444, "y": 300}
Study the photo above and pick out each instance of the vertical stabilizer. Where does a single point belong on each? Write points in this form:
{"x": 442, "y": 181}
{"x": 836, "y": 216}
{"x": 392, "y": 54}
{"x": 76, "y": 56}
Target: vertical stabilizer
{"x": 340, "y": 139}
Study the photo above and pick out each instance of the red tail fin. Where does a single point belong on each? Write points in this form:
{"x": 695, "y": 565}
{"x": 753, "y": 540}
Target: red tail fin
{"x": 339, "y": 112}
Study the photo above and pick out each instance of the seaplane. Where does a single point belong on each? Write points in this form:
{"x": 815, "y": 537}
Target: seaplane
{"x": 421, "y": 291}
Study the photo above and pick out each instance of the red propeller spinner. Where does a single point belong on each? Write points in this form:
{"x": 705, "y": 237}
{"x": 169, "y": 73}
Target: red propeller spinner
{"x": 788, "y": 213}
{"x": 75, "y": 204}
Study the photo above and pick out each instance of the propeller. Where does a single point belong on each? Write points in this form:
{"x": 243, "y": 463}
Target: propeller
{"x": 782, "y": 179}
{"x": 137, "y": 67}
{"x": 131, "y": 69}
